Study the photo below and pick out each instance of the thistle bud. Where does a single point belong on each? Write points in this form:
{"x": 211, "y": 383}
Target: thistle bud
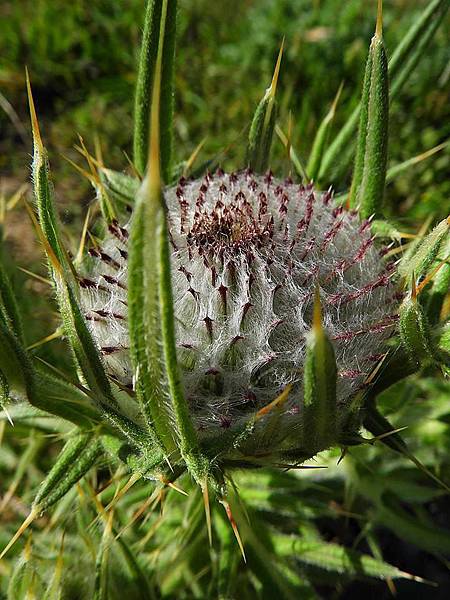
{"x": 248, "y": 254}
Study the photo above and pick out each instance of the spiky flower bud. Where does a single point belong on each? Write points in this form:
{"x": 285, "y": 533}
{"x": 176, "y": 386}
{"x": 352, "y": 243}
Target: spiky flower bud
{"x": 249, "y": 253}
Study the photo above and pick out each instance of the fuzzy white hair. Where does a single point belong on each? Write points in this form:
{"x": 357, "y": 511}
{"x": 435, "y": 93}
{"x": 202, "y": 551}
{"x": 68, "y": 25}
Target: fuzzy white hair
{"x": 249, "y": 252}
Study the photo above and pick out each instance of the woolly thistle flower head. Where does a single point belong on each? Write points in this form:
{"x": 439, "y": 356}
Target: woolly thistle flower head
{"x": 248, "y": 254}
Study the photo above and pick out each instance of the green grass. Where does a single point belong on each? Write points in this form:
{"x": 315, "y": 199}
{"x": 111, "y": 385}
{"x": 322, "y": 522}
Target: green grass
{"x": 83, "y": 73}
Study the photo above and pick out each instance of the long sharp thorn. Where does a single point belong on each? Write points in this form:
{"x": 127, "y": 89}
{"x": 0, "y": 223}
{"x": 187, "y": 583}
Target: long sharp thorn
{"x": 207, "y": 510}
{"x": 271, "y": 90}
{"x": 53, "y": 336}
{"x": 31, "y": 517}
{"x": 387, "y": 434}
{"x": 239, "y": 499}
{"x": 379, "y": 25}
{"x": 133, "y": 479}
{"x": 430, "y": 276}
{"x": 177, "y": 489}
{"x": 427, "y": 471}
{"x": 276, "y": 73}
{"x": 317, "y": 312}
{"x": 279, "y": 400}
{"x": 336, "y": 100}
{"x": 342, "y": 456}
{"x": 51, "y": 255}
{"x": 35, "y": 276}
{"x": 80, "y": 252}
{"x": 190, "y": 161}
{"x": 34, "y": 120}
{"x": 98, "y": 151}
{"x": 8, "y": 416}
{"x": 376, "y": 370}
{"x": 83, "y": 172}
{"x": 234, "y": 527}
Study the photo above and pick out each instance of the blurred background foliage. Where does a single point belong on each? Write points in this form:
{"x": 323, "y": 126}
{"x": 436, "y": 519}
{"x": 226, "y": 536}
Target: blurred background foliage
{"x": 82, "y": 60}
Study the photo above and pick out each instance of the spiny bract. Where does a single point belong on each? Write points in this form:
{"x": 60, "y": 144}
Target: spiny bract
{"x": 249, "y": 252}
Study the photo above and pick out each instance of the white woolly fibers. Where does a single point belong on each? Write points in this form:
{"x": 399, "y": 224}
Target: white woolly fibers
{"x": 248, "y": 254}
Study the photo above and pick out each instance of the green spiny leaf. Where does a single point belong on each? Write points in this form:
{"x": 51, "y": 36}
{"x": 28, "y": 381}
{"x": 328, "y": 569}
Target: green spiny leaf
{"x": 121, "y": 187}
{"x": 144, "y": 345}
{"x": 369, "y": 175}
{"x": 319, "y": 381}
{"x": 422, "y": 256}
{"x": 43, "y": 192}
{"x": 38, "y": 389}
{"x": 9, "y": 311}
{"x": 134, "y": 434}
{"x": 404, "y": 59}
{"x": 147, "y": 233}
{"x": 344, "y": 561}
{"x": 73, "y": 462}
{"x": 440, "y": 284}
{"x": 63, "y": 272}
{"x": 160, "y": 19}
{"x": 386, "y": 229}
{"x": 427, "y": 536}
{"x": 415, "y": 330}
{"x": 151, "y": 307}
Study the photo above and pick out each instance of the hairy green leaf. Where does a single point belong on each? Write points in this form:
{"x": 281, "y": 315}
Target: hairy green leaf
{"x": 344, "y": 561}
{"x": 120, "y": 186}
{"x": 369, "y": 174}
{"x": 73, "y": 462}
{"x": 160, "y": 22}
{"x": 415, "y": 331}
{"x": 319, "y": 380}
{"x": 423, "y": 255}
{"x": 403, "y": 61}
{"x": 9, "y": 311}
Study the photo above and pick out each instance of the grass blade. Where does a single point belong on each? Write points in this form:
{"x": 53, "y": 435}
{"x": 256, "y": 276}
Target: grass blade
{"x": 262, "y": 127}
{"x": 321, "y": 139}
{"x": 394, "y": 171}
